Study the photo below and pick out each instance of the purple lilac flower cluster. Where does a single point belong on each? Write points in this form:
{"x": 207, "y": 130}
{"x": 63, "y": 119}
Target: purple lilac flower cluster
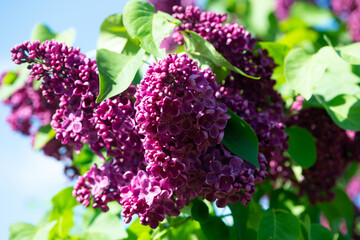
{"x": 349, "y": 11}
{"x": 282, "y": 8}
{"x": 167, "y": 6}
{"x": 71, "y": 79}
{"x": 28, "y": 106}
{"x": 68, "y": 77}
{"x": 255, "y": 101}
{"x": 335, "y": 150}
{"x": 177, "y": 112}
{"x": 238, "y": 47}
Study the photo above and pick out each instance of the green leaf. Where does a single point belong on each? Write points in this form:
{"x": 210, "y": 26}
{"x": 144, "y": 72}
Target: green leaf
{"x": 302, "y": 148}
{"x": 214, "y": 229}
{"x": 116, "y": 71}
{"x": 42, "y": 33}
{"x": 350, "y": 53}
{"x": 199, "y": 210}
{"x": 260, "y": 18}
{"x": 241, "y": 139}
{"x": 344, "y": 110}
{"x": 307, "y": 225}
{"x": 338, "y": 79}
{"x": 256, "y": 213}
{"x": 113, "y": 35}
{"x": 286, "y": 200}
{"x": 9, "y": 78}
{"x": 197, "y": 46}
{"x": 277, "y": 51}
{"x": 62, "y": 211}
{"x": 6, "y": 90}
{"x": 43, "y": 136}
{"x": 278, "y": 225}
{"x": 25, "y": 231}
{"x": 311, "y": 14}
{"x": 137, "y": 229}
{"x": 240, "y": 215}
{"x": 151, "y": 28}
{"x": 320, "y": 232}
{"x": 333, "y": 84}
{"x": 340, "y": 208}
{"x": 184, "y": 228}
{"x": 105, "y": 226}
{"x": 303, "y": 70}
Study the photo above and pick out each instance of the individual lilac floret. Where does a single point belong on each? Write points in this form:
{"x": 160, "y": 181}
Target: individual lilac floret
{"x": 69, "y": 77}
{"x": 176, "y": 110}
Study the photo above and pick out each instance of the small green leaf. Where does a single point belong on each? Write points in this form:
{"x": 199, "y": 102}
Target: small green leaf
{"x": 116, "y": 71}
{"x": 241, "y": 139}
{"x": 151, "y": 28}
{"x": 344, "y": 110}
{"x": 105, "y": 226}
{"x": 320, "y": 232}
{"x": 62, "y": 211}
{"x": 303, "y": 70}
{"x": 24, "y": 231}
{"x": 43, "y": 136}
{"x": 214, "y": 229}
{"x": 277, "y": 51}
{"x": 199, "y": 210}
{"x": 6, "y": 90}
{"x": 198, "y": 46}
{"x": 278, "y": 225}
{"x": 302, "y": 148}
{"x": 9, "y": 78}
{"x": 240, "y": 215}
{"x": 42, "y": 33}
{"x": 350, "y": 53}
{"x": 113, "y": 35}
{"x": 137, "y": 229}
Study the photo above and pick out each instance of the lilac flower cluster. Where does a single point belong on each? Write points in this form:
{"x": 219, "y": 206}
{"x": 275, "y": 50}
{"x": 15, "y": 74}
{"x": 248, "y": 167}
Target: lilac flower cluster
{"x": 238, "y": 47}
{"x": 68, "y": 77}
{"x": 255, "y": 101}
{"x": 335, "y": 150}
{"x": 28, "y": 107}
{"x": 177, "y": 112}
{"x": 166, "y": 6}
{"x": 282, "y": 8}
{"x": 70, "y": 81}
{"x": 349, "y": 11}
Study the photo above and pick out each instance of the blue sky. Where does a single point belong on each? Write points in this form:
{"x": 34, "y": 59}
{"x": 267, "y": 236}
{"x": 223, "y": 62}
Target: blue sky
{"x": 28, "y": 179}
